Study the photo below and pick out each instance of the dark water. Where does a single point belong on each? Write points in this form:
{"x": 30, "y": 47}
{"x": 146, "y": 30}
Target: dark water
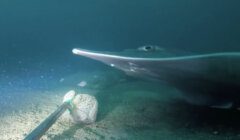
{"x": 36, "y": 37}
{"x": 39, "y": 32}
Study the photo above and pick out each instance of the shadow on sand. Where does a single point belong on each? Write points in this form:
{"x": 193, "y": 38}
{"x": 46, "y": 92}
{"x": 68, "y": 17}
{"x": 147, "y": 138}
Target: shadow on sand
{"x": 149, "y": 111}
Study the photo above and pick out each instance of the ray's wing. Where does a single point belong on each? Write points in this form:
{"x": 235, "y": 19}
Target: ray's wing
{"x": 208, "y": 79}
{"x": 217, "y": 66}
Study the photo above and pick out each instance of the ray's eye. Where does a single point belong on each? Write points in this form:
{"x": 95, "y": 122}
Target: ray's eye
{"x": 148, "y": 48}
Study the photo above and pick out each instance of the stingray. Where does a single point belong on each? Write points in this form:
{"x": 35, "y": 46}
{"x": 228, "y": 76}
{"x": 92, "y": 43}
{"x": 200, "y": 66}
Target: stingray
{"x": 207, "y": 79}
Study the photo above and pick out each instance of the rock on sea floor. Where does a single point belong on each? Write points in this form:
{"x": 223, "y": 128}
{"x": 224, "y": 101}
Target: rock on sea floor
{"x": 128, "y": 109}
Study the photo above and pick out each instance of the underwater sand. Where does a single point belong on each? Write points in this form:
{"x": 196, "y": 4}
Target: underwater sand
{"x": 128, "y": 109}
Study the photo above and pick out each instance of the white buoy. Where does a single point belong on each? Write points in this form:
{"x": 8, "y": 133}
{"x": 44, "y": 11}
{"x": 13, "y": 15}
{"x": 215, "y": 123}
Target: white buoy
{"x": 69, "y": 96}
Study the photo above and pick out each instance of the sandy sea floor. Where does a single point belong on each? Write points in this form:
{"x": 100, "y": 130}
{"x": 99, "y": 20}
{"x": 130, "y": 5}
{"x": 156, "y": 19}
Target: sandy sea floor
{"x": 128, "y": 109}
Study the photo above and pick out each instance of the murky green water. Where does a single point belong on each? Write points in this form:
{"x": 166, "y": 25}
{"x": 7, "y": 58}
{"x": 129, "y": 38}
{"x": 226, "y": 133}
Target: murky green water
{"x": 37, "y": 66}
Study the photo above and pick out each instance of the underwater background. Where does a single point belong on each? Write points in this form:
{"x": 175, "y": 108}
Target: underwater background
{"x": 37, "y": 65}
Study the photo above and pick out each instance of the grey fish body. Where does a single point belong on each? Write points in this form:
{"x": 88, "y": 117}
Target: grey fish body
{"x": 209, "y": 79}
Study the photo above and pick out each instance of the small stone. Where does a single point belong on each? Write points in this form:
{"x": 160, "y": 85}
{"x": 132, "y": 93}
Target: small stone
{"x": 215, "y": 132}
{"x": 82, "y": 84}
{"x": 61, "y": 80}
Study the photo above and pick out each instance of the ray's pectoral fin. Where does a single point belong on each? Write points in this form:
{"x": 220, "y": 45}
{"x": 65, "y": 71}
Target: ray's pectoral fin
{"x": 223, "y": 106}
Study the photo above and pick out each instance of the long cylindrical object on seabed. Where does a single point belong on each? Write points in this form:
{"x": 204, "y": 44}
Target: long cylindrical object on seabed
{"x": 37, "y": 133}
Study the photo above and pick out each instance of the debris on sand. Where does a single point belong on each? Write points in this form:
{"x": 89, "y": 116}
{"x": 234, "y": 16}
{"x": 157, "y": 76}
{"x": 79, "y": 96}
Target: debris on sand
{"x": 82, "y": 84}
